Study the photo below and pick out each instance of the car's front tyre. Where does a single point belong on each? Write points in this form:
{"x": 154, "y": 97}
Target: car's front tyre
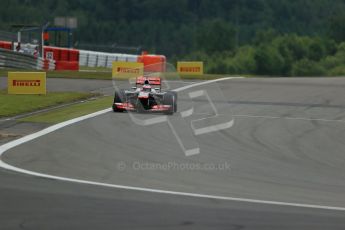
{"x": 118, "y": 98}
{"x": 170, "y": 98}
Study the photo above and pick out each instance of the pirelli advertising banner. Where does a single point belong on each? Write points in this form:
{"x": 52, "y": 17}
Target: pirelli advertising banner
{"x": 127, "y": 69}
{"x": 190, "y": 68}
{"x": 26, "y": 83}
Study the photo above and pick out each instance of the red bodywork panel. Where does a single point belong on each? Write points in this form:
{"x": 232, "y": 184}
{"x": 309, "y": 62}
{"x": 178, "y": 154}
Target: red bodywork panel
{"x": 125, "y": 106}
{"x": 152, "y": 80}
{"x": 130, "y": 107}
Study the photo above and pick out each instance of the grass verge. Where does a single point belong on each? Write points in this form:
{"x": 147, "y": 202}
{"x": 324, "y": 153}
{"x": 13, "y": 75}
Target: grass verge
{"x": 11, "y": 105}
{"x": 70, "y": 112}
{"x": 102, "y": 74}
{"x": 66, "y": 74}
{"x": 80, "y": 74}
{"x": 205, "y": 76}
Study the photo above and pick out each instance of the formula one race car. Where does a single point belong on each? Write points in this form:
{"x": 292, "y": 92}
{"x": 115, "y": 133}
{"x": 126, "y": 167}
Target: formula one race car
{"x": 145, "y": 98}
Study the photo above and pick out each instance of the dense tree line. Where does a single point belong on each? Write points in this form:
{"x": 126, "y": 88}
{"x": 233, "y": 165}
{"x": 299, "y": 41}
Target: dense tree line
{"x": 275, "y": 37}
{"x": 281, "y": 55}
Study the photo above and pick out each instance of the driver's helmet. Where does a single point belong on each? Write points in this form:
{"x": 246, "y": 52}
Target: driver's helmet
{"x": 147, "y": 88}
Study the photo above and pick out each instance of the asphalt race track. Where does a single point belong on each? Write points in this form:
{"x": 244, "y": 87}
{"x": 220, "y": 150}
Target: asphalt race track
{"x": 286, "y": 145}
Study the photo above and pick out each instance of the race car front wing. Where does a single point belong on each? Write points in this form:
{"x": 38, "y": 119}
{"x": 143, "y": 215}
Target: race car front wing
{"x": 130, "y": 107}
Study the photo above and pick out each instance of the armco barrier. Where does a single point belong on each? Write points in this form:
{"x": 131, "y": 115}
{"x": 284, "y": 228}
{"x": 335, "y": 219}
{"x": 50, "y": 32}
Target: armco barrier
{"x": 12, "y": 59}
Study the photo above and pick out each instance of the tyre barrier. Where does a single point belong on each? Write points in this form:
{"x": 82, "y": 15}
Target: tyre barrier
{"x": 65, "y": 59}
{"x": 102, "y": 59}
{"x": 152, "y": 63}
{"x": 6, "y": 45}
{"x": 72, "y": 59}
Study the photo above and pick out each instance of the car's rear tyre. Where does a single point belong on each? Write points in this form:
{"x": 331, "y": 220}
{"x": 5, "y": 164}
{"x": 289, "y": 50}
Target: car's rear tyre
{"x": 119, "y": 97}
{"x": 170, "y": 99}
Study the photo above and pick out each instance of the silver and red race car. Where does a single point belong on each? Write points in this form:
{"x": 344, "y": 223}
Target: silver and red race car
{"x": 146, "y": 97}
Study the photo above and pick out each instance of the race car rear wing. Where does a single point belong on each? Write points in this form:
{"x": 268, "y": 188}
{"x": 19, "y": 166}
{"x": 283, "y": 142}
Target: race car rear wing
{"x": 152, "y": 80}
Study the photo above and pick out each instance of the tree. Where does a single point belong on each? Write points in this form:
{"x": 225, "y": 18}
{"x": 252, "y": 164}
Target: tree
{"x": 216, "y": 36}
{"x": 337, "y": 28}
{"x": 306, "y": 67}
{"x": 269, "y": 60}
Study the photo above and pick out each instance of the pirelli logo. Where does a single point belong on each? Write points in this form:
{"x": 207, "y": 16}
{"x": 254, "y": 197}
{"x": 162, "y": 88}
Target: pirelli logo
{"x": 127, "y": 69}
{"x": 190, "y": 68}
{"x": 26, "y": 83}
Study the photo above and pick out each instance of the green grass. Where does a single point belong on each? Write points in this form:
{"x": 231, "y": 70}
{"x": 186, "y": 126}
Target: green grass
{"x": 205, "y": 76}
{"x": 70, "y": 112}
{"x": 11, "y": 105}
{"x": 66, "y": 74}
{"x": 101, "y": 69}
{"x": 80, "y": 74}
{"x": 105, "y": 74}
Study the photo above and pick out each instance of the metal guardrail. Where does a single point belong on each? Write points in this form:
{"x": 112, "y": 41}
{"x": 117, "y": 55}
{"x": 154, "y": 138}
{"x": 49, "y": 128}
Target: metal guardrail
{"x": 15, "y": 60}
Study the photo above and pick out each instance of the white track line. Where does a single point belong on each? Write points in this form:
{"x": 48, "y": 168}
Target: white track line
{"x": 290, "y": 118}
{"x": 204, "y": 83}
{"x": 276, "y": 117}
{"x": 12, "y": 144}
{"x": 196, "y": 195}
